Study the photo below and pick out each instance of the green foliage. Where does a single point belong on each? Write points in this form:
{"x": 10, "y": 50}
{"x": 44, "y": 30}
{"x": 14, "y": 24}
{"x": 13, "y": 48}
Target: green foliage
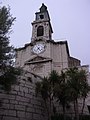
{"x": 78, "y": 87}
{"x": 46, "y": 88}
{"x": 77, "y": 83}
{"x": 84, "y": 117}
{"x": 53, "y": 77}
{"x": 60, "y": 117}
{"x": 6, "y": 21}
{"x": 8, "y": 74}
{"x": 65, "y": 88}
{"x": 60, "y": 89}
{"x": 43, "y": 88}
{"x": 9, "y": 77}
{"x": 6, "y": 51}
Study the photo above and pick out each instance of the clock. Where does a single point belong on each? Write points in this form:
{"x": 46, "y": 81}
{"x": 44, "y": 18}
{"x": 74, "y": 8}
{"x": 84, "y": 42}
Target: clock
{"x": 38, "y": 48}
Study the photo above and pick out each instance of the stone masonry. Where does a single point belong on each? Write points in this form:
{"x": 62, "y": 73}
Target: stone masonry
{"x": 21, "y": 103}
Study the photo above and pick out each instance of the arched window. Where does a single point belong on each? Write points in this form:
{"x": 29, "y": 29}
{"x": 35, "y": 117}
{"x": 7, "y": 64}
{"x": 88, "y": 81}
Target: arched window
{"x": 40, "y": 31}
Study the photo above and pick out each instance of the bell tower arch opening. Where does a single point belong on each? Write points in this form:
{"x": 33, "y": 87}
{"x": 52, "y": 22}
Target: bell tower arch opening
{"x": 40, "y": 31}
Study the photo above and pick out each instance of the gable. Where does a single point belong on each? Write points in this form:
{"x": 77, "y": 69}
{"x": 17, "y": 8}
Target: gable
{"x": 38, "y": 59}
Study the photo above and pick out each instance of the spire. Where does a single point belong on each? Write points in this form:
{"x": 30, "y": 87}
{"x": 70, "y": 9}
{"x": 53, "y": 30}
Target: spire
{"x": 43, "y": 13}
{"x": 43, "y": 8}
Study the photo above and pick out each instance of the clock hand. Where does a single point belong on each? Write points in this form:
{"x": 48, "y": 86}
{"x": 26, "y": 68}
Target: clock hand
{"x": 39, "y": 48}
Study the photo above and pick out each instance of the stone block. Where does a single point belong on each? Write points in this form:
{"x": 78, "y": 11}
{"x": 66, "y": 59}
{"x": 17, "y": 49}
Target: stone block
{"x": 22, "y": 84}
{"x": 28, "y": 95}
{"x": 44, "y": 117}
{"x": 32, "y": 90}
{"x": 28, "y": 115}
{"x": 29, "y": 86}
{"x": 11, "y": 106}
{"x": 6, "y": 101}
{"x": 13, "y": 101}
{"x": 19, "y": 98}
{"x": 36, "y": 116}
{"x": 2, "y": 95}
{"x": 19, "y": 107}
{"x": 30, "y": 105}
{"x": 11, "y": 97}
{"x": 10, "y": 118}
{"x": 10, "y": 112}
{"x": 13, "y": 92}
{"x": 30, "y": 109}
{"x": 35, "y": 102}
{"x": 21, "y": 114}
{"x": 23, "y": 103}
{"x": 21, "y": 93}
{"x": 2, "y": 112}
{"x": 16, "y": 88}
{"x": 5, "y": 106}
{"x": 24, "y": 119}
{"x": 24, "y": 89}
{"x": 38, "y": 111}
{"x": 22, "y": 81}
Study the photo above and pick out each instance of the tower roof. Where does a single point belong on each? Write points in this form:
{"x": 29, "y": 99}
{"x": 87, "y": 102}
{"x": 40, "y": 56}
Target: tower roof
{"x": 43, "y": 8}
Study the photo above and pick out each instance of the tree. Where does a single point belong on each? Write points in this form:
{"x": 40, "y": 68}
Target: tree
{"x": 85, "y": 87}
{"x": 77, "y": 86}
{"x": 8, "y": 73}
{"x": 68, "y": 87}
{"x": 61, "y": 92}
{"x": 43, "y": 88}
{"x": 54, "y": 79}
{"x": 46, "y": 88}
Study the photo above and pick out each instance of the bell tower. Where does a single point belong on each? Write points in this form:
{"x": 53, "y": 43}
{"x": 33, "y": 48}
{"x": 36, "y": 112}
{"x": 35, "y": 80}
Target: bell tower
{"x": 41, "y": 27}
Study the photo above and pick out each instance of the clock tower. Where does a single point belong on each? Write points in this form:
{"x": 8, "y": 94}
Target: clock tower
{"x": 41, "y": 27}
{"x": 43, "y": 54}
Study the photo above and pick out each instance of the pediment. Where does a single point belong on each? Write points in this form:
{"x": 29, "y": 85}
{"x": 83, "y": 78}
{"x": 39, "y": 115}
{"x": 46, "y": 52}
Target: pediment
{"x": 38, "y": 59}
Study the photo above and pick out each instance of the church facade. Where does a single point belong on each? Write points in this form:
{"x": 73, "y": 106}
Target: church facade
{"x": 38, "y": 58}
{"x": 43, "y": 54}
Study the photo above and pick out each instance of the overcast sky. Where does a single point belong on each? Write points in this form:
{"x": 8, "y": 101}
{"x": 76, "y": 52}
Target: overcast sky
{"x": 70, "y": 20}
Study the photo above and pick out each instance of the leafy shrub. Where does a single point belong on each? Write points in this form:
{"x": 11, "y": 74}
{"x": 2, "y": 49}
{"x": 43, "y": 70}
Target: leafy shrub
{"x": 84, "y": 117}
{"x": 60, "y": 117}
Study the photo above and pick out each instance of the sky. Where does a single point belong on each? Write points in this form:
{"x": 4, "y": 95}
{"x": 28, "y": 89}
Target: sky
{"x": 70, "y": 21}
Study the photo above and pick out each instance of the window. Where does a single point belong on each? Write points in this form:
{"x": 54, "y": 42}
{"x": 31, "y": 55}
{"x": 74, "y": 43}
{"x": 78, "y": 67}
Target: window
{"x": 40, "y": 31}
{"x": 41, "y": 16}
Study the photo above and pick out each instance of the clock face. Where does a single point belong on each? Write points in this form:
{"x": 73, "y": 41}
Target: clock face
{"x": 38, "y": 48}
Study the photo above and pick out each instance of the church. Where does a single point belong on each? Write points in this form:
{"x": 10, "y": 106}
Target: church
{"x": 43, "y": 54}
{"x": 37, "y": 58}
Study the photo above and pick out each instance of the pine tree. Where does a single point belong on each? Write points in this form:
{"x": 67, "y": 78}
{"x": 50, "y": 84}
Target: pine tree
{"x": 7, "y": 71}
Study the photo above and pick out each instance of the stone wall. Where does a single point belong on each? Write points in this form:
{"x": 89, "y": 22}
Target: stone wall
{"x": 21, "y": 103}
